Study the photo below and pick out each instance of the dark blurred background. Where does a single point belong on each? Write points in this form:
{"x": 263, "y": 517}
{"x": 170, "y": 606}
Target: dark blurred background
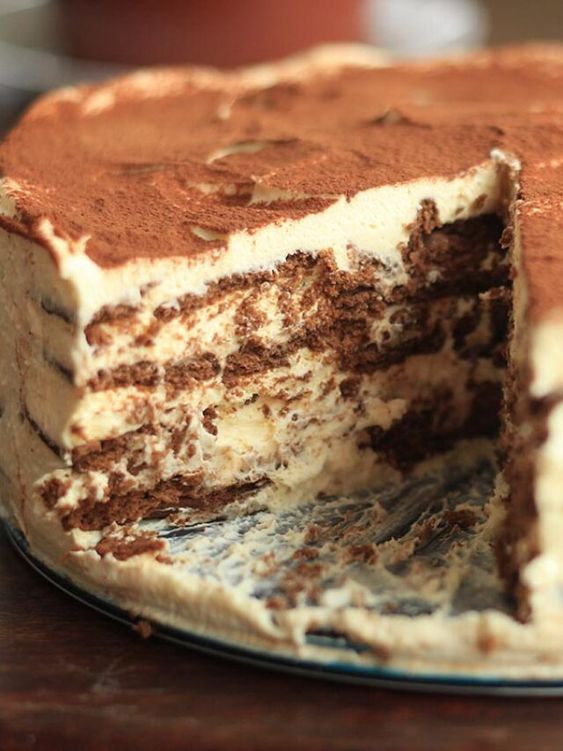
{"x": 49, "y": 43}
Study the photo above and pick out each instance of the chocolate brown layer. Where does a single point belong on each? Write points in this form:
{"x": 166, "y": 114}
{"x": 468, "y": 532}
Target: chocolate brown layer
{"x": 426, "y": 429}
{"x": 176, "y": 493}
{"x": 129, "y": 545}
{"x": 53, "y": 490}
{"x": 467, "y": 255}
{"x": 179, "y": 374}
{"x": 520, "y": 448}
{"x": 101, "y": 455}
{"x": 142, "y": 374}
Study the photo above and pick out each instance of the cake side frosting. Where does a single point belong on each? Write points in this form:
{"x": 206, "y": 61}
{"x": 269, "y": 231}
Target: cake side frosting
{"x": 535, "y": 450}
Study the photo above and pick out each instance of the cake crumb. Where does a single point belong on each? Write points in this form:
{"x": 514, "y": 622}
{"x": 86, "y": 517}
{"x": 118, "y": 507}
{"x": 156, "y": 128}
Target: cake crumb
{"x": 143, "y": 628}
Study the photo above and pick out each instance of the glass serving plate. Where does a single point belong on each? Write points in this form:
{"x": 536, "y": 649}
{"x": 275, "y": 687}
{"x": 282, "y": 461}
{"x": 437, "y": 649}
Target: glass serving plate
{"x": 440, "y": 515}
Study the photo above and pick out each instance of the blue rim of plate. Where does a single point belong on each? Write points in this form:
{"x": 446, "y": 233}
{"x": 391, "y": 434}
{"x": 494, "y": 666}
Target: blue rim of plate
{"x": 378, "y": 676}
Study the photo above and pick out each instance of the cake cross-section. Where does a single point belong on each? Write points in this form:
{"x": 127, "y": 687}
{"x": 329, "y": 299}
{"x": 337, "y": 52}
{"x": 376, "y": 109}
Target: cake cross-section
{"x": 228, "y": 291}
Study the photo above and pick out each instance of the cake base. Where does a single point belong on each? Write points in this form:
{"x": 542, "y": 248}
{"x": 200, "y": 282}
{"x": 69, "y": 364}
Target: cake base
{"x": 394, "y": 585}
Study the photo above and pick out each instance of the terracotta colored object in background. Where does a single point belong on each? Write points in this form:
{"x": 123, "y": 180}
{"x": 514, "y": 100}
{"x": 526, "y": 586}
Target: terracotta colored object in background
{"x": 209, "y": 32}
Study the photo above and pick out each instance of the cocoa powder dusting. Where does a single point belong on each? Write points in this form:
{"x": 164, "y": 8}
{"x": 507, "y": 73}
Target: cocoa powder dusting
{"x": 95, "y": 174}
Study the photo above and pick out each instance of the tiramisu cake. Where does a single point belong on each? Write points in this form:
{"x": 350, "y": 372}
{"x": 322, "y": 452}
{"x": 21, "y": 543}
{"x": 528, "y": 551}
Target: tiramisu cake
{"x": 228, "y": 291}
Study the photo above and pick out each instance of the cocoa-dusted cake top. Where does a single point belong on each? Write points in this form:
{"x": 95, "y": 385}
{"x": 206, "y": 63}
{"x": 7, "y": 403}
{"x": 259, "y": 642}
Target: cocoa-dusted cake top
{"x": 171, "y": 162}
{"x": 542, "y": 232}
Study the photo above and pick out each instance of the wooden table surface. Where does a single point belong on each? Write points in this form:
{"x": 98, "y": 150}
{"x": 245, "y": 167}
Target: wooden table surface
{"x": 71, "y": 678}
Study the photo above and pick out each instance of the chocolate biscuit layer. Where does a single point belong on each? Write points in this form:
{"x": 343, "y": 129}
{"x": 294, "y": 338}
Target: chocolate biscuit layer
{"x": 424, "y": 431}
{"x": 168, "y": 495}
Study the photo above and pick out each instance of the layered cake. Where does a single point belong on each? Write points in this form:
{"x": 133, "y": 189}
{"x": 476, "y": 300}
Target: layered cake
{"x": 223, "y": 292}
